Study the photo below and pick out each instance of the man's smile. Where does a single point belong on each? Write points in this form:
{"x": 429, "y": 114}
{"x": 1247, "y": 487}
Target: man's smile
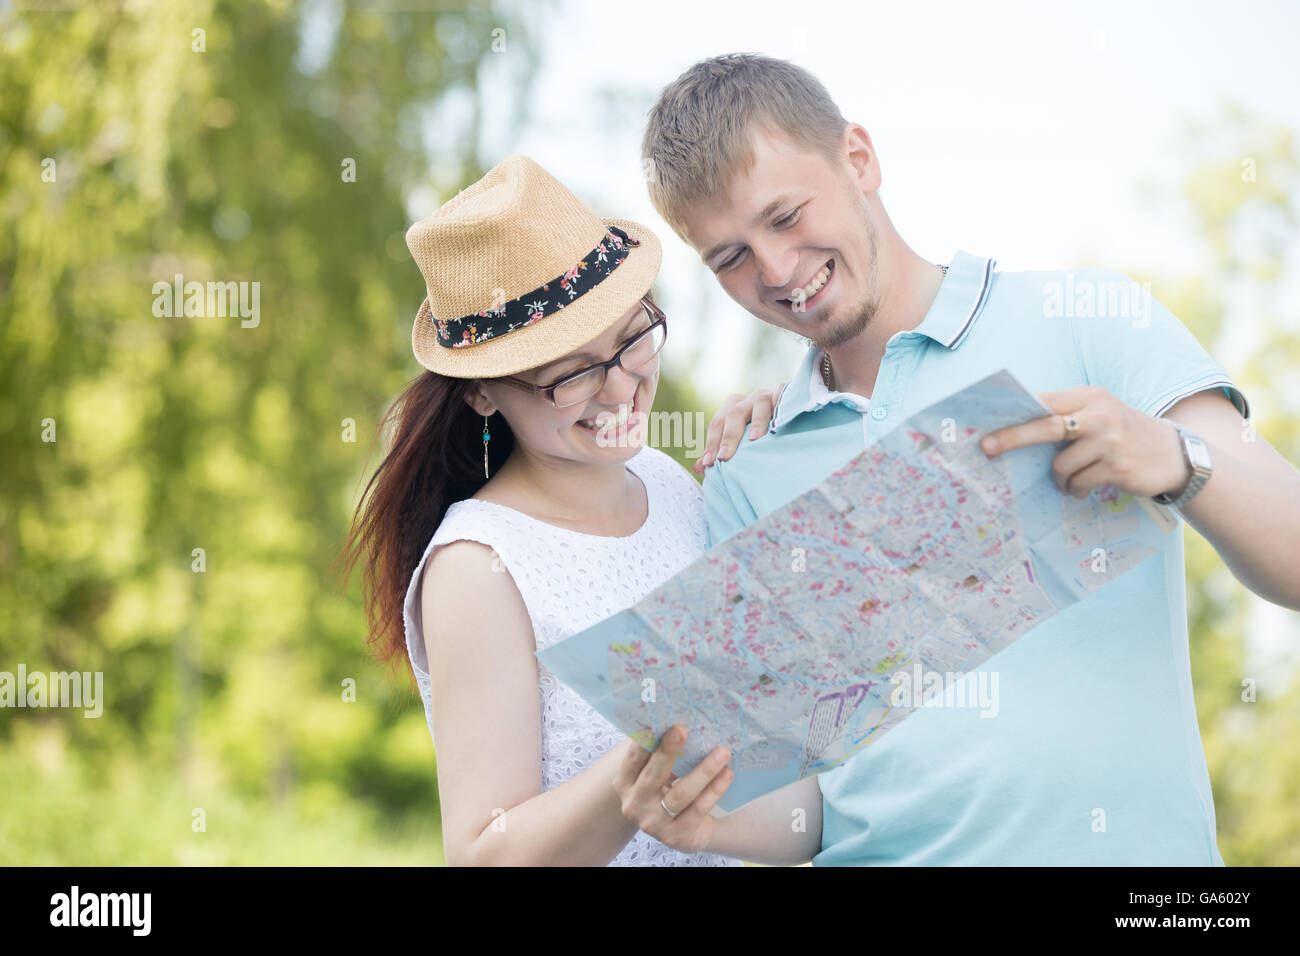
{"x": 805, "y": 295}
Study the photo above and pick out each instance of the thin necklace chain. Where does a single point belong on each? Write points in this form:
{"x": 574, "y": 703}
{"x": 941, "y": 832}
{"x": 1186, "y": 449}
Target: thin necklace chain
{"x": 826, "y": 359}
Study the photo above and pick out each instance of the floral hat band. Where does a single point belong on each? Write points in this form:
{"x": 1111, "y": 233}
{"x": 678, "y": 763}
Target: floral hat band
{"x": 546, "y": 299}
{"x": 519, "y": 228}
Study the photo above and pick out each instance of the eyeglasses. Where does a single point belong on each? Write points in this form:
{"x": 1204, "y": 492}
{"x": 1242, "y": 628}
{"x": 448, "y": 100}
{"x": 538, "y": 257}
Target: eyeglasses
{"x": 583, "y": 384}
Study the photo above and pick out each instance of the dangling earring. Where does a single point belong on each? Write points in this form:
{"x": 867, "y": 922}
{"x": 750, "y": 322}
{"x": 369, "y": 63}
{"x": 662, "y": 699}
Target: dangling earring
{"x": 487, "y": 436}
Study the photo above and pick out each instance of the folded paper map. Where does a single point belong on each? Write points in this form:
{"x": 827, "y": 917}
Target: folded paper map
{"x": 789, "y": 642}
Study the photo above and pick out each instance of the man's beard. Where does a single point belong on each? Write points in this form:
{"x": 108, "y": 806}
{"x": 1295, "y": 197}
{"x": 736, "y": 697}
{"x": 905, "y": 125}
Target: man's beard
{"x": 860, "y": 317}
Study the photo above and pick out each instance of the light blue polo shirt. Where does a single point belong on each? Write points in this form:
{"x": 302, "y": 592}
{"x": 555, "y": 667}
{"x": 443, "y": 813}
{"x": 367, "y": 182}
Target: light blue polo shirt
{"x": 1094, "y": 755}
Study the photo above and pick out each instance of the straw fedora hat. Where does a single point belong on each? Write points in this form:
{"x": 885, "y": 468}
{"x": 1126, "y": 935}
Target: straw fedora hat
{"x": 519, "y": 273}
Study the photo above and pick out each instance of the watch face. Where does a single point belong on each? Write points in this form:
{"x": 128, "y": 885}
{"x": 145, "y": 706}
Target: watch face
{"x": 1198, "y": 454}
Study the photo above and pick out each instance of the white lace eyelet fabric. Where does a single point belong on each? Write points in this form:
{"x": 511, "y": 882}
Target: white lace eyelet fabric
{"x": 570, "y": 581}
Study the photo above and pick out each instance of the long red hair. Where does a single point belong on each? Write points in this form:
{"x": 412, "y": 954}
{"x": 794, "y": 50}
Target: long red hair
{"x": 436, "y": 459}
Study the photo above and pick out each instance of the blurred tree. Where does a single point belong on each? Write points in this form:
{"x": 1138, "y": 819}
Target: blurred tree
{"x": 179, "y": 533}
{"x": 1240, "y": 197}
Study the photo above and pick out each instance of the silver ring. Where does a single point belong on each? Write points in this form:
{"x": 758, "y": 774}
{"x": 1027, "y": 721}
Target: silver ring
{"x": 664, "y": 807}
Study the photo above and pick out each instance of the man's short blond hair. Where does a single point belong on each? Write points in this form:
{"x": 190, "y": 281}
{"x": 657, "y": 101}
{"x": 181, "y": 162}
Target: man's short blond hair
{"x": 700, "y": 131}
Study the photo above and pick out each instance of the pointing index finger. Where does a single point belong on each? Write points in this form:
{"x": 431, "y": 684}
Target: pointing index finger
{"x": 1049, "y": 429}
{"x": 659, "y": 767}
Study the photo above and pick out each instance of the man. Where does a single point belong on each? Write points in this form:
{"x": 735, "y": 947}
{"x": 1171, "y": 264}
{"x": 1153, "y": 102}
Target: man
{"x": 1095, "y": 755}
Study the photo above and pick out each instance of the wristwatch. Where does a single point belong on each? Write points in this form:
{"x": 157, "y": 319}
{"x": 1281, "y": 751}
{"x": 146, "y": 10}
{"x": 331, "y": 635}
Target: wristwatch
{"x": 1199, "y": 466}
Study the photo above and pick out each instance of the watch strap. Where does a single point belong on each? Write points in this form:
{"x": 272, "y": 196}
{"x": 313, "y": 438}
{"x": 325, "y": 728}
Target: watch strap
{"x": 1197, "y": 476}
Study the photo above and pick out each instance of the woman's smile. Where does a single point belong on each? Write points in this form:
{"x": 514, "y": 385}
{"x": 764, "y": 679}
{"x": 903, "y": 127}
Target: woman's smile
{"x": 614, "y": 423}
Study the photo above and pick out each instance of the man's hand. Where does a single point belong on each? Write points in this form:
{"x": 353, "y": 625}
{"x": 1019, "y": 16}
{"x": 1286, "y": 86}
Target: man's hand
{"x": 644, "y": 779}
{"x": 729, "y": 423}
{"x": 1116, "y": 445}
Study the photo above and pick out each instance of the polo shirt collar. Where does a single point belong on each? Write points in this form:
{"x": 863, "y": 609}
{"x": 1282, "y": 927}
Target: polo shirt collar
{"x": 961, "y": 298}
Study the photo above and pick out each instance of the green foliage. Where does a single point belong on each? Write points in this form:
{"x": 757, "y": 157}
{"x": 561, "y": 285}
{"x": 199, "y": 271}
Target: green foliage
{"x": 1241, "y": 191}
{"x": 173, "y": 433}
{"x": 61, "y": 810}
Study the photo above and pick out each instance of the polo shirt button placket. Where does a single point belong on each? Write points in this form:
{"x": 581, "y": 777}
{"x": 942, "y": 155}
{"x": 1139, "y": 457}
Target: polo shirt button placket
{"x": 889, "y": 371}
{"x": 902, "y": 348}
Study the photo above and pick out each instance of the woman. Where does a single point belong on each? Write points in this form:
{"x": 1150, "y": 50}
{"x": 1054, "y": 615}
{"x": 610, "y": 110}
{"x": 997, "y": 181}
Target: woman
{"x": 520, "y": 504}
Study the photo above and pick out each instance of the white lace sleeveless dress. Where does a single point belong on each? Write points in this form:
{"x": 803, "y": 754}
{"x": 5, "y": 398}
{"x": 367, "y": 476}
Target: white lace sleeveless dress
{"x": 569, "y": 581}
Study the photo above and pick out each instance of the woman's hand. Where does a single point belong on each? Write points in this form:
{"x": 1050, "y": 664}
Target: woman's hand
{"x": 644, "y": 779}
{"x": 738, "y": 411}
